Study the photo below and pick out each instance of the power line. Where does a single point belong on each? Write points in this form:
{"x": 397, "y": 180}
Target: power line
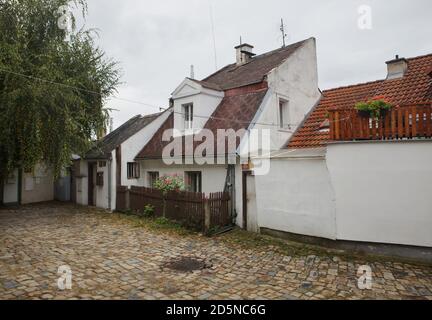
{"x": 75, "y": 88}
{"x": 150, "y": 105}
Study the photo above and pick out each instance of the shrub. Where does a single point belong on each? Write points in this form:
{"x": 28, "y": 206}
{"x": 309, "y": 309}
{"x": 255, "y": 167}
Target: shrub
{"x": 169, "y": 183}
{"x": 374, "y": 107}
{"x": 148, "y": 210}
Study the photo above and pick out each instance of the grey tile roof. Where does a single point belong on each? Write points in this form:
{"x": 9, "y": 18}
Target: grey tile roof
{"x": 104, "y": 146}
{"x": 233, "y": 76}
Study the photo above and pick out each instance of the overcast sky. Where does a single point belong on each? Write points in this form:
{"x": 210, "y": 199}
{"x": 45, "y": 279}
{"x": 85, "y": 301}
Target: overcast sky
{"x": 156, "y": 41}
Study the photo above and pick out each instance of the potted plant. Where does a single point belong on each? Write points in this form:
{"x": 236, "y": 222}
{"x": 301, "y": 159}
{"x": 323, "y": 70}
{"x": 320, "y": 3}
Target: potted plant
{"x": 375, "y": 108}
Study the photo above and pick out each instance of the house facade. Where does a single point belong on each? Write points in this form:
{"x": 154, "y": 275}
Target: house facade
{"x": 111, "y": 162}
{"x": 272, "y": 91}
{"x": 342, "y": 177}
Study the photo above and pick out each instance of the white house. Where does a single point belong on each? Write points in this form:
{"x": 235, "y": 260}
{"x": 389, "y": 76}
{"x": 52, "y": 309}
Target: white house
{"x": 111, "y": 162}
{"x": 274, "y": 91}
{"x": 373, "y": 188}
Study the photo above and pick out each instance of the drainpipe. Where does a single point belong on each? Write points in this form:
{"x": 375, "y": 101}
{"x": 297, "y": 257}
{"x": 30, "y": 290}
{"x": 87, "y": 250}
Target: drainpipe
{"x": 109, "y": 185}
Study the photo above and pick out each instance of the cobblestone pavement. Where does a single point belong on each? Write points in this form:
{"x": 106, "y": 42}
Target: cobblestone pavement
{"x": 112, "y": 258}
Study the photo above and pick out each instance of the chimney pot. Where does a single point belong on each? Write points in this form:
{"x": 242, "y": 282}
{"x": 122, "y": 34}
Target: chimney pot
{"x": 396, "y": 68}
{"x": 244, "y": 53}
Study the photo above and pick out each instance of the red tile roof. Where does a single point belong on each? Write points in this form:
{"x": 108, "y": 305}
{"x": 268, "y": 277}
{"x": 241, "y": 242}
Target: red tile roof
{"x": 236, "y": 111}
{"x": 233, "y": 76}
{"x": 415, "y": 87}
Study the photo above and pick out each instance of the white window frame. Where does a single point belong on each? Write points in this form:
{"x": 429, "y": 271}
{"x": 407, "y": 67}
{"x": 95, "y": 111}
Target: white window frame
{"x": 283, "y": 114}
{"x": 188, "y": 116}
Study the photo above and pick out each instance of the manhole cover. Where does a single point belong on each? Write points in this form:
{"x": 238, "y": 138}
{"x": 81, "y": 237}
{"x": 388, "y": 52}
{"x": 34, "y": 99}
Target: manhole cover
{"x": 186, "y": 264}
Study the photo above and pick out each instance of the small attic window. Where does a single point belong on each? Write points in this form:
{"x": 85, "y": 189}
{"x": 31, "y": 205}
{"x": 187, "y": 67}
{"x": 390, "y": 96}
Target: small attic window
{"x": 325, "y": 126}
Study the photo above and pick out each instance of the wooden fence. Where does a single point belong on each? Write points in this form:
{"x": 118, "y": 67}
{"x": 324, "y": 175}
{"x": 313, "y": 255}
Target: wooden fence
{"x": 121, "y": 198}
{"x": 403, "y": 122}
{"x": 193, "y": 210}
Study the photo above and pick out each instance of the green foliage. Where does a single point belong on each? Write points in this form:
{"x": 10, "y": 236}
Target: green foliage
{"x": 169, "y": 183}
{"x": 148, "y": 210}
{"x": 40, "y": 119}
{"x": 374, "y": 108}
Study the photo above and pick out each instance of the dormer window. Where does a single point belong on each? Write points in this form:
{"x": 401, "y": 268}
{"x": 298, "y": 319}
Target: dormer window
{"x": 188, "y": 116}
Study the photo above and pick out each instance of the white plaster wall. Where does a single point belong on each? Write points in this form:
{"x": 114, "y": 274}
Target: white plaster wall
{"x": 101, "y": 192}
{"x": 132, "y": 146}
{"x": 42, "y": 179}
{"x": 296, "y": 80}
{"x": 297, "y": 197}
{"x": 82, "y": 184}
{"x": 10, "y": 191}
{"x": 383, "y": 191}
{"x": 252, "y": 212}
{"x": 213, "y": 177}
{"x": 239, "y": 194}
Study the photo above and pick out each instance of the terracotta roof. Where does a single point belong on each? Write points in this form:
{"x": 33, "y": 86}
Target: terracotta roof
{"x": 234, "y": 112}
{"x": 415, "y": 87}
{"x": 104, "y": 146}
{"x": 233, "y": 76}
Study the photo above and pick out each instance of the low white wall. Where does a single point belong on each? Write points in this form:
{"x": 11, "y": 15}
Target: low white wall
{"x": 297, "y": 197}
{"x": 10, "y": 189}
{"x": 213, "y": 177}
{"x": 38, "y": 185}
{"x": 383, "y": 191}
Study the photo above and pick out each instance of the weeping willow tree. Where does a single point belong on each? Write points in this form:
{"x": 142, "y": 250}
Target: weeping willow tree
{"x": 54, "y": 82}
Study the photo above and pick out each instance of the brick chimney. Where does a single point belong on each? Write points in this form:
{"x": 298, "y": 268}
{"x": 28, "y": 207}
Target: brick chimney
{"x": 396, "y": 68}
{"x": 244, "y": 53}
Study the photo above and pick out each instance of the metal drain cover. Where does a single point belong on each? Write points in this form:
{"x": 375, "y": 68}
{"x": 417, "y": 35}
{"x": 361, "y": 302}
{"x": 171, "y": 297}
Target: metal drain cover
{"x": 186, "y": 264}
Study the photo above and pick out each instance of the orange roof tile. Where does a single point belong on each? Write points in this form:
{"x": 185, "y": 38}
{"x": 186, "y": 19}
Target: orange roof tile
{"x": 415, "y": 87}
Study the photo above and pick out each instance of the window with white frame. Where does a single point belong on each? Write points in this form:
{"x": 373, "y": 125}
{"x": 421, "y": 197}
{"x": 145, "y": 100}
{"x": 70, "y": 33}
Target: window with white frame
{"x": 283, "y": 114}
{"x": 188, "y": 116}
{"x": 133, "y": 170}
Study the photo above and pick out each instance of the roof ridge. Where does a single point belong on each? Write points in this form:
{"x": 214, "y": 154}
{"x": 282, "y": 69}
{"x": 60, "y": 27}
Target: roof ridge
{"x": 257, "y": 57}
{"x": 352, "y": 85}
{"x": 419, "y": 57}
{"x": 281, "y": 49}
{"x": 374, "y": 81}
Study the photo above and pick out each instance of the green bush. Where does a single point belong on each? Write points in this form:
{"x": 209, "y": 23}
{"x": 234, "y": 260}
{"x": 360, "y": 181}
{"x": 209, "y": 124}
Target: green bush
{"x": 374, "y": 108}
{"x": 149, "y": 211}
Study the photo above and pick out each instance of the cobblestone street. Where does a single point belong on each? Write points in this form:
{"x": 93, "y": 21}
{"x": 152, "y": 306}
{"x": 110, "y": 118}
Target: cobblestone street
{"x": 113, "y": 257}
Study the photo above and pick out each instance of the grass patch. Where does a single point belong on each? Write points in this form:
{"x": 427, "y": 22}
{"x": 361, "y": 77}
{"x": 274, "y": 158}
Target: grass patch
{"x": 150, "y": 223}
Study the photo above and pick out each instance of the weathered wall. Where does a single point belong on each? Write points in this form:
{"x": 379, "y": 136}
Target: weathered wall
{"x": 297, "y": 197}
{"x": 37, "y": 186}
{"x": 383, "y": 191}
{"x": 10, "y": 190}
{"x": 296, "y": 81}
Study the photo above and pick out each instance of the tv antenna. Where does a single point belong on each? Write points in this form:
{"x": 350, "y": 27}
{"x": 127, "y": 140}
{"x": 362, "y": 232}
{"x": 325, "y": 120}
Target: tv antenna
{"x": 284, "y": 35}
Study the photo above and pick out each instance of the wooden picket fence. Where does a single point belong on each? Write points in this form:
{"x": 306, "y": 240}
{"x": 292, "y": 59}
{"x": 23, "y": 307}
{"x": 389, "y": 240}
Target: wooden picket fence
{"x": 188, "y": 208}
{"x": 402, "y": 122}
{"x": 219, "y": 209}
